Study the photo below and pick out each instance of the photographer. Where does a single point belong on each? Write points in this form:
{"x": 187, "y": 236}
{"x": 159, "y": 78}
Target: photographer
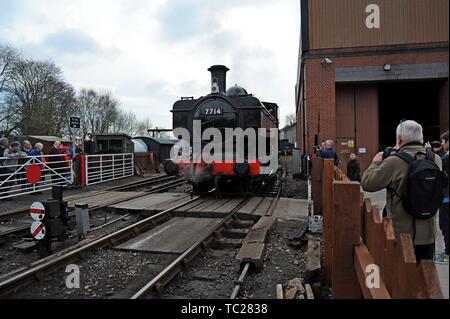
{"x": 392, "y": 172}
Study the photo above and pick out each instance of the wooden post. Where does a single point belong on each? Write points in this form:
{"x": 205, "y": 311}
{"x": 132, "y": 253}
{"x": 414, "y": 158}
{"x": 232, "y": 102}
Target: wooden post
{"x": 327, "y": 209}
{"x": 346, "y": 223}
{"x": 316, "y": 185}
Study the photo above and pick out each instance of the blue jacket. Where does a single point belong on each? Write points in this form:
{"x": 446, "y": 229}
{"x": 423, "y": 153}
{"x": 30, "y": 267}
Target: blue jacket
{"x": 37, "y": 154}
{"x": 329, "y": 153}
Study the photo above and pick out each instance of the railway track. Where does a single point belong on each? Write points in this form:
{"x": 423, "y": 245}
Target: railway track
{"x": 156, "y": 285}
{"x": 168, "y": 183}
{"x": 17, "y": 212}
{"x": 50, "y": 264}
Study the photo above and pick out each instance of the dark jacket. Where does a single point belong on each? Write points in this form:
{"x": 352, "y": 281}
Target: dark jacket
{"x": 329, "y": 153}
{"x": 354, "y": 170}
{"x": 60, "y": 159}
{"x": 445, "y": 169}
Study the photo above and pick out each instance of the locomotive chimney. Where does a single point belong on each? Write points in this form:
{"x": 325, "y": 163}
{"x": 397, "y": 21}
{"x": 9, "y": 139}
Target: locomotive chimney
{"x": 218, "y": 78}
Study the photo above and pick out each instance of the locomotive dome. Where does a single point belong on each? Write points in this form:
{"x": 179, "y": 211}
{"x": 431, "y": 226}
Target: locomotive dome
{"x": 236, "y": 91}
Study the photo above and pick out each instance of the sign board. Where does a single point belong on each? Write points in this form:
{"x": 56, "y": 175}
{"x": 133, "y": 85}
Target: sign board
{"x": 362, "y": 151}
{"x": 75, "y": 122}
{"x": 38, "y": 230}
{"x": 37, "y": 211}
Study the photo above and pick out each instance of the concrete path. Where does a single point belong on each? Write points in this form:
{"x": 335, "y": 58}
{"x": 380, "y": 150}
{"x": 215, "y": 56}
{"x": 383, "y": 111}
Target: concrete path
{"x": 379, "y": 199}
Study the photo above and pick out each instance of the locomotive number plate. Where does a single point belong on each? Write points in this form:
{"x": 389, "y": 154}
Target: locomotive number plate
{"x": 213, "y": 111}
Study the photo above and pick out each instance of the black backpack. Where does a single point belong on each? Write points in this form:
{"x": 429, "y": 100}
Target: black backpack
{"x": 425, "y": 185}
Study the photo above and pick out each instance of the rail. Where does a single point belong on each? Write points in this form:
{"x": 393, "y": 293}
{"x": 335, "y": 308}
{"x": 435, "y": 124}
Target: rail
{"x": 363, "y": 258}
{"x": 32, "y": 174}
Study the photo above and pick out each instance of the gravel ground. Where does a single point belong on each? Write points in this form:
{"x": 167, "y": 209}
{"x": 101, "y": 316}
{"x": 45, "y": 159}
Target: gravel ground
{"x": 209, "y": 276}
{"x": 11, "y": 259}
{"x": 294, "y": 188}
{"x": 106, "y": 274}
{"x": 282, "y": 263}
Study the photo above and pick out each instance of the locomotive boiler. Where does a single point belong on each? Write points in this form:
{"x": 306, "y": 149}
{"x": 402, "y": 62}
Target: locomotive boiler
{"x": 249, "y": 168}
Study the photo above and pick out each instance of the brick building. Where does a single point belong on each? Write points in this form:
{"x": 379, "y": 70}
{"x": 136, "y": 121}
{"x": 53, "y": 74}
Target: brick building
{"x": 364, "y": 65}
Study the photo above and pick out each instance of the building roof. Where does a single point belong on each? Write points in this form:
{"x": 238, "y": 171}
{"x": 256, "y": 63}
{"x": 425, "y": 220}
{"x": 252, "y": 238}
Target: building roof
{"x": 164, "y": 141}
{"x": 113, "y": 135}
{"x": 49, "y": 138}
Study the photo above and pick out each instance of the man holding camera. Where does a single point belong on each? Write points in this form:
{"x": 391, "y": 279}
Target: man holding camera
{"x": 392, "y": 170}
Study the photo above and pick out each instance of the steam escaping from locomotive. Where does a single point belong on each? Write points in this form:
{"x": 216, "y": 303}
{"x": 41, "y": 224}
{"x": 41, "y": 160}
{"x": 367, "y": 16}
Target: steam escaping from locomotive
{"x": 227, "y": 137}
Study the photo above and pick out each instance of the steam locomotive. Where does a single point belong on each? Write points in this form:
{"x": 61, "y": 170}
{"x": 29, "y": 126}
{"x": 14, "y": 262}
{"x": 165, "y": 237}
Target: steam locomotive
{"x": 226, "y": 109}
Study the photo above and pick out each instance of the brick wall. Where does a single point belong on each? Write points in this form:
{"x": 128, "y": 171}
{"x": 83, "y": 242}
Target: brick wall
{"x": 320, "y": 87}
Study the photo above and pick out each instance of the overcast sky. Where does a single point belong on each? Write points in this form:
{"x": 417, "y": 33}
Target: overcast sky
{"x": 149, "y": 53}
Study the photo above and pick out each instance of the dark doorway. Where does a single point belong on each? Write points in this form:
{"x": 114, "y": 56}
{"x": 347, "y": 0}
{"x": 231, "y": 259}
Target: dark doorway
{"x": 418, "y": 101}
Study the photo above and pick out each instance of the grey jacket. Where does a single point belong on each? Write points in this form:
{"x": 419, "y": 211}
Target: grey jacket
{"x": 392, "y": 174}
{"x": 12, "y": 158}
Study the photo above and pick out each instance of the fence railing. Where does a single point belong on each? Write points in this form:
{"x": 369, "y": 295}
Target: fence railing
{"x": 107, "y": 167}
{"x": 32, "y": 174}
{"x": 360, "y": 244}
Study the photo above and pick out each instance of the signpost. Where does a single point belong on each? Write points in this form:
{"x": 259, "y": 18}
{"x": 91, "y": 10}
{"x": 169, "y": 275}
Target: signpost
{"x": 75, "y": 122}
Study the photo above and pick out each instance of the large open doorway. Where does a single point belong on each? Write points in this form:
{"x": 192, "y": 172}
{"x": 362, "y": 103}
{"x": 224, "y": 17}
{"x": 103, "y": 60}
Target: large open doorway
{"x": 418, "y": 101}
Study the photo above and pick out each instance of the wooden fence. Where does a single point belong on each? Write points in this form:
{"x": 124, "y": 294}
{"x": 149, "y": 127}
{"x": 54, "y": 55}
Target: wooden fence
{"x": 360, "y": 244}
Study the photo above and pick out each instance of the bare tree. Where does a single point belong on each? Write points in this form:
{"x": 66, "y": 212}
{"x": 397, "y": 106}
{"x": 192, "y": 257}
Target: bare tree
{"x": 98, "y": 111}
{"x": 128, "y": 123}
{"x": 36, "y": 87}
{"x": 8, "y": 56}
{"x": 291, "y": 119}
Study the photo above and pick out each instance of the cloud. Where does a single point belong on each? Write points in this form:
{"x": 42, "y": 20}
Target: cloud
{"x": 150, "y": 53}
{"x": 71, "y": 41}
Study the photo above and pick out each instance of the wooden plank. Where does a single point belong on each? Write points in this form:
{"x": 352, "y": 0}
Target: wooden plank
{"x": 406, "y": 275}
{"x": 279, "y": 291}
{"x": 309, "y": 292}
{"x": 327, "y": 207}
{"x": 291, "y": 209}
{"x": 253, "y": 253}
{"x": 251, "y": 205}
{"x": 170, "y": 204}
{"x": 429, "y": 284}
{"x": 263, "y": 207}
{"x": 388, "y": 257}
{"x": 228, "y": 206}
{"x": 316, "y": 185}
{"x": 362, "y": 260}
{"x": 345, "y": 215}
{"x": 214, "y": 205}
{"x": 265, "y": 222}
{"x": 374, "y": 232}
{"x": 190, "y": 206}
{"x": 105, "y": 199}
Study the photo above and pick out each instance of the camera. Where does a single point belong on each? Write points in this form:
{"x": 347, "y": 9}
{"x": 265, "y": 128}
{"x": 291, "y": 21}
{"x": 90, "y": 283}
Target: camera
{"x": 436, "y": 145}
{"x": 389, "y": 151}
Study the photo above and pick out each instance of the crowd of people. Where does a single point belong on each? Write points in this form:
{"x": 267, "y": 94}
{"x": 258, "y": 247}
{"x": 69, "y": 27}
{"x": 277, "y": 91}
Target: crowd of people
{"x": 14, "y": 157}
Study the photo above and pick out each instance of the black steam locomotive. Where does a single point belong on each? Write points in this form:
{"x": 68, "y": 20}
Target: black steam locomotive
{"x": 222, "y": 109}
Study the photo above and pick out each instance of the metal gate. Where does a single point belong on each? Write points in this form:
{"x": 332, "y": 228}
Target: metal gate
{"x": 108, "y": 167}
{"x": 47, "y": 171}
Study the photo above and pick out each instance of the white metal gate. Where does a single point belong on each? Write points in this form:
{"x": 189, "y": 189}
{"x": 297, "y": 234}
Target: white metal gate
{"x": 54, "y": 170}
{"x": 108, "y": 167}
